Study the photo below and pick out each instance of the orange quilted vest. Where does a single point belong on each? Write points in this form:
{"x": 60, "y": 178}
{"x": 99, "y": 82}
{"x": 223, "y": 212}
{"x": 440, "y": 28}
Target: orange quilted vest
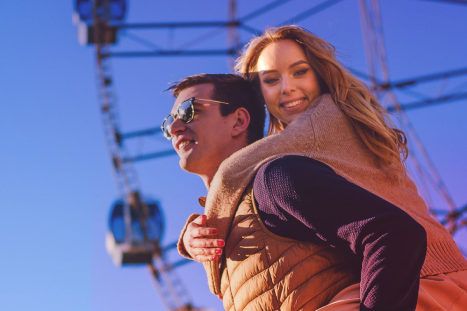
{"x": 262, "y": 271}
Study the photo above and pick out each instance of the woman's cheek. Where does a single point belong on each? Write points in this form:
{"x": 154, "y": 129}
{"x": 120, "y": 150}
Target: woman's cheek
{"x": 270, "y": 96}
{"x": 269, "y": 107}
{"x": 273, "y": 108}
{"x": 270, "y": 103}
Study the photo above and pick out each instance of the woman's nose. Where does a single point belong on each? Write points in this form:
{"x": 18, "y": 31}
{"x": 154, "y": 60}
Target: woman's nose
{"x": 286, "y": 86}
{"x": 177, "y": 127}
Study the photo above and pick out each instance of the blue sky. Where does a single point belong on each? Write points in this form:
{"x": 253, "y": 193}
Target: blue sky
{"x": 56, "y": 177}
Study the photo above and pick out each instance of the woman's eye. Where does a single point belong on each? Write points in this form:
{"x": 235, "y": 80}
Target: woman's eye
{"x": 270, "y": 80}
{"x": 300, "y": 72}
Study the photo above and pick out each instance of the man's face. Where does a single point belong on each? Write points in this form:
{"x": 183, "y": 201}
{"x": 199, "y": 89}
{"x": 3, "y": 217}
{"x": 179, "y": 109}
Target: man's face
{"x": 203, "y": 143}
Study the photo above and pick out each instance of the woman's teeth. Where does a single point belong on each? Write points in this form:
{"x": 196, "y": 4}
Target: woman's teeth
{"x": 292, "y": 104}
{"x": 183, "y": 144}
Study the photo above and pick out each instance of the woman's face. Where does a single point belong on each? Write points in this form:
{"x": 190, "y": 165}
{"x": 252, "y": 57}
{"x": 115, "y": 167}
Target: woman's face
{"x": 288, "y": 82}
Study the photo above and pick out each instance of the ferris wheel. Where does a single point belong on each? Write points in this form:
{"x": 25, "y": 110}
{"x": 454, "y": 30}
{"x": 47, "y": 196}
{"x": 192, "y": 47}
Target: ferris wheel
{"x": 136, "y": 224}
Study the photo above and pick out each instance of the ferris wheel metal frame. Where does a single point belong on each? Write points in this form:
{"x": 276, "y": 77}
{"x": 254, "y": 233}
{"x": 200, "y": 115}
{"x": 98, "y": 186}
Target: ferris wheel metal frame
{"x": 168, "y": 284}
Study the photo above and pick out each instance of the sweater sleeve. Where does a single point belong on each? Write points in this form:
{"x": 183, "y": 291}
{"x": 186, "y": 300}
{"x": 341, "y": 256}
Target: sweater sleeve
{"x": 303, "y": 199}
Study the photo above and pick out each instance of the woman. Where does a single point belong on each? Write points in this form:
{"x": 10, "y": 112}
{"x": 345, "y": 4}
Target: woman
{"x": 293, "y": 69}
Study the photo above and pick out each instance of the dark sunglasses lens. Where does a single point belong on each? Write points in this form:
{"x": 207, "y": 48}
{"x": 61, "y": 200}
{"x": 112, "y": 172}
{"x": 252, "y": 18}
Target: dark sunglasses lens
{"x": 166, "y": 125}
{"x": 185, "y": 111}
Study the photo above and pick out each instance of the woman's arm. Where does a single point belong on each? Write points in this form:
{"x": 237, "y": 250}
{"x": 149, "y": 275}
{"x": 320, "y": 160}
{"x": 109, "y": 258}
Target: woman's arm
{"x": 304, "y": 199}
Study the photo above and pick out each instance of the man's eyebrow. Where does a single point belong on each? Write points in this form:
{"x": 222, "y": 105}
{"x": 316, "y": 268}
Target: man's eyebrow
{"x": 292, "y": 65}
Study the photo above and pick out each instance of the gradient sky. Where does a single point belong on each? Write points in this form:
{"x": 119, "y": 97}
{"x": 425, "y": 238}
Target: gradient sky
{"x": 56, "y": 180}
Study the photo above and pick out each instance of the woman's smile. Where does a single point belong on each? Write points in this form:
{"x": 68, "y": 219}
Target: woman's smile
{"x": 292, "y": 103}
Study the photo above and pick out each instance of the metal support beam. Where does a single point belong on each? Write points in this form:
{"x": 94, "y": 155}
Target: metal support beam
{"x": 423, "y": 79}
{"x": 181, "y": 262}
{"x": 179, "y": 25}
{"x": 171, "y": 53}
{"x": 430, "y": 102}
{"x": 168, "y": 247}
{"x": 450, "y": 1}
{"x": 361, "y": 75}
{"x": 316, "y": 9}
{"x": 263, "y": 10}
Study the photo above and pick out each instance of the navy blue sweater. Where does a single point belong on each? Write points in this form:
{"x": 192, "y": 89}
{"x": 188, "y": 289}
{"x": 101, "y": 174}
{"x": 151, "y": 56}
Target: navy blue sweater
{"x": 304, "y": 199}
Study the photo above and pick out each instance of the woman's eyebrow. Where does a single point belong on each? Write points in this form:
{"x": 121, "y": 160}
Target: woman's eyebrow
{"x": 266, "y": 72}
{"x": 298, "y": 63}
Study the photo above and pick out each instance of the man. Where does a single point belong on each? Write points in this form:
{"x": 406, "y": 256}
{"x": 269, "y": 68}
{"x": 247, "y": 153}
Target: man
{"x": 220, "y": 127}
{"x": 274, "y": 255}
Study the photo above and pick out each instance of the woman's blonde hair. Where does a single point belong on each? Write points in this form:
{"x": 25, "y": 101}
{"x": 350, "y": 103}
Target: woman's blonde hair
{"x": 370, "y": 120}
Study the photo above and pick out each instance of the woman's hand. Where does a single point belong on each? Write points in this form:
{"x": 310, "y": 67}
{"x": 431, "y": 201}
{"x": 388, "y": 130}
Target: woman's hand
{"x": 198, "y": 245}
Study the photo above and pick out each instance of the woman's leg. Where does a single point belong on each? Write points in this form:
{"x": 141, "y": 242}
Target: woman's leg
{"x": 444, "y": 291}
{"x": 441, "y": 292}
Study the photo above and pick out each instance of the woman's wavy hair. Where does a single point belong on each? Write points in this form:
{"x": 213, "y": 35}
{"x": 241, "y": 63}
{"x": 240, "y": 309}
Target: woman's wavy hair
{"x": 370, "y": 120}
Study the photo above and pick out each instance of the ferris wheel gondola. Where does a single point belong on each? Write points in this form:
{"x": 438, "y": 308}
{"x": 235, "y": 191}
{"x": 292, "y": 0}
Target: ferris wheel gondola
{"x": 92, "y": 14}
{"x": 134, "y": 234}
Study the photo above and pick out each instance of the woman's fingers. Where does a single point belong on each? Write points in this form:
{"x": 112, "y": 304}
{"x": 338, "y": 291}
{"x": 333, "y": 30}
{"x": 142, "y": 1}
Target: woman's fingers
{"x": 197, "y": 228}
{"x": 198, "y": 232}
{"x": 202, "y": 254}
{"x": 206, "y": 243}
{"x": 198, "y": 244}
{"x": 207, "y": 251}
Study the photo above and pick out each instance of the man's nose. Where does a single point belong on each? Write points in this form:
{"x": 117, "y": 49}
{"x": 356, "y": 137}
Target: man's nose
{"x": 177, "y": 127}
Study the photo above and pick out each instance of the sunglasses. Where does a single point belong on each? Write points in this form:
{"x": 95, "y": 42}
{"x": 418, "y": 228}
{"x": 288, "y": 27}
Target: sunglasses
{"x": 185, "y": 112}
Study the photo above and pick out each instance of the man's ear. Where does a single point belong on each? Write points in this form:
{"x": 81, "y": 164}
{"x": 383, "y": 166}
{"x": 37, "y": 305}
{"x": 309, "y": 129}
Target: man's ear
{"x": 242, "y": 120}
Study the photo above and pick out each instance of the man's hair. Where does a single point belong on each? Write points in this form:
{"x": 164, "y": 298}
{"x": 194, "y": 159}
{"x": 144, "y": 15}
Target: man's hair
{"x": 236, "y": 91}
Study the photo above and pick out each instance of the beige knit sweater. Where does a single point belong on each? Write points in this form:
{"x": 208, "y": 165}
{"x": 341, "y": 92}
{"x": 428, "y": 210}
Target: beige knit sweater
{"x": 325, "y": 133}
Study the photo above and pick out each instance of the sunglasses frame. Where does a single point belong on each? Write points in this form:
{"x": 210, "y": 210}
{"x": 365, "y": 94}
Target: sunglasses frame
{"x": 176, "y": 115}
